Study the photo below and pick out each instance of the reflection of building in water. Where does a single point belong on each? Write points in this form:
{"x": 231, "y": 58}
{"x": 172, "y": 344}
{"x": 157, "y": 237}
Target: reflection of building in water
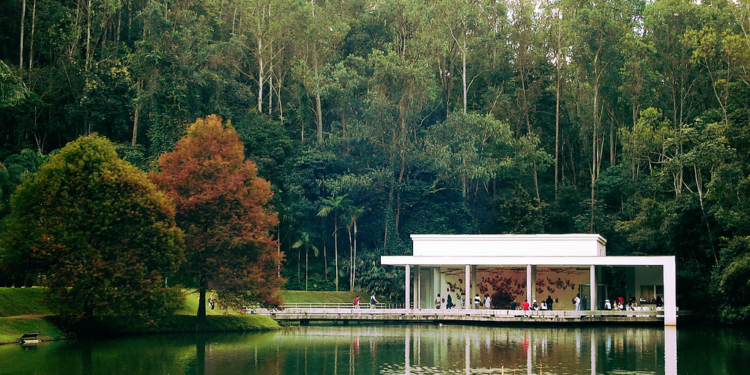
{"x": 533, "y": 350}
{"x": 557, "y": 266}
{"x": 451, "y": 349}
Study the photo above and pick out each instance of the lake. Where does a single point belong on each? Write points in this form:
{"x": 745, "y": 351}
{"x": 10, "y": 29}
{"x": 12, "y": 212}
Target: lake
{"x": 398, "y": 349}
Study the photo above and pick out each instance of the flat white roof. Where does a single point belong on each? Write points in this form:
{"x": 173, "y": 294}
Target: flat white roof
{"x": 497, "y": 261}
{"x": 508, "y": 245}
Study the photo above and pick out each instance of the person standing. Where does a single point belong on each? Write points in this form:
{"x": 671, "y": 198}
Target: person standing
{"x": 584, "y": 303}
{"x": 477, "y": 301}
{"x": 356, "y": 302}
{"x": 437, "y": 301}
{"x": 525, "y": 307}
{"x": 449, "y": 305}
{"x": 550, "y": 301}
{"x": 513, "y": 305}
{"x": 373, "y": 301}
{"x": 487, "y": 301}
{"x": 577, "y": 302}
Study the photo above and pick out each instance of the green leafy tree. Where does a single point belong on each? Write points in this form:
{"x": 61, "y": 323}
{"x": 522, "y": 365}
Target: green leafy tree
{"x": 100, "y": 232}
{"x": 222, "y": 207}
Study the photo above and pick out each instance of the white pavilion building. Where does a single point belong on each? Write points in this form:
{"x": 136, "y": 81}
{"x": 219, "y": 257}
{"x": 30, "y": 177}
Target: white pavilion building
{"x": 559, "y": 266}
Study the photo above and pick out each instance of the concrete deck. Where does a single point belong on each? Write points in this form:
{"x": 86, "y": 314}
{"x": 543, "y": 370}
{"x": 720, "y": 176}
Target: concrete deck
{"x": 306, "y": 315}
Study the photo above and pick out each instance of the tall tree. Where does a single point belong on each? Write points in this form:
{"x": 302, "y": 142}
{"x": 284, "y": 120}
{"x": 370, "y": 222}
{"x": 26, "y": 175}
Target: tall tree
{"x": 100, "y": 232}
{"x": 223, "y": 209}
{"x": 306, "y": 242}
{"x": 335, "y": 205}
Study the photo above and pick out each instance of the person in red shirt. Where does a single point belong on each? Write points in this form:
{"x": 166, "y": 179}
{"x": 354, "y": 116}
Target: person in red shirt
{"x": 525, "y": 306}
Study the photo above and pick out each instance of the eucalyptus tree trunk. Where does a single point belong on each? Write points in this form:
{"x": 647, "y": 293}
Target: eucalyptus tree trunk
{"x": 351, "y": 258}
{"x": 354, "y": 266}
{"x": 557, "y": 103}
{"x": 260, "y": 75}
{"x": 88, "y": 36}
{"x": 137, "y": 114}
{"x": 23, "y": 21}
{"x": 595, "y": 151}
{"x": 318, "y": 110}
{"x": 336, "y": 247}
{"x": 31, "y": 37}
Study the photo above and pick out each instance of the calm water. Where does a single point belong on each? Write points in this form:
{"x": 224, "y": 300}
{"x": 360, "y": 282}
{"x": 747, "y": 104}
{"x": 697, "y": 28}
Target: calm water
{"x": 383, "y": 349}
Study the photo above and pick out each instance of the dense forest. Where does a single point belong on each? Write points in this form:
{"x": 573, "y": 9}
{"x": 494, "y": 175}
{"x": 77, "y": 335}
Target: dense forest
{"x": 375, "y": 119}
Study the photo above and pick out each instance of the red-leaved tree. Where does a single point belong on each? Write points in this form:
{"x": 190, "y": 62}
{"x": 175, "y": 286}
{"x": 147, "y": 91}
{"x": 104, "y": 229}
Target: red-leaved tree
{"x": 223, "y": 210}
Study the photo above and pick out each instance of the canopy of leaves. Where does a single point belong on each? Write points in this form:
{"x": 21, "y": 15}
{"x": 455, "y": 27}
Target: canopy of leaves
{"x": 100, "y": 234}
{"x": 222, "y": 207}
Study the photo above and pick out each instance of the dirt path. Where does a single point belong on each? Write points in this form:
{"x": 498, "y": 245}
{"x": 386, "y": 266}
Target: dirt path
{"x": 26, "y": 316}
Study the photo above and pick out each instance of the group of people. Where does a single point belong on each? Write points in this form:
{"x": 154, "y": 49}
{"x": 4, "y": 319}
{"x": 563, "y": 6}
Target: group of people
{"x": 581, "y": 303}
{"x": 545, "y": 305}
{"x": 448, "y": 302}
{"x": 373, "y": 301}
{"x": 631, "y": 305}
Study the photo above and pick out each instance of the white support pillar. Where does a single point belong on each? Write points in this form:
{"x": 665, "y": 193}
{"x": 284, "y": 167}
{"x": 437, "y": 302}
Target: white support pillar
{"x": 418, "y": 295}
{"x": 593, "y": 288}
{"x": 529, "y": 284}
{"x": 442, "y": 288}
{"x": 669, "y": 273}
{"x": 407, "y": 293}
{"x": 417, "y": 277}
{"x": 468, "y": 297}
{"x": 435, "y": 283}
{"x": 473, "y": 284}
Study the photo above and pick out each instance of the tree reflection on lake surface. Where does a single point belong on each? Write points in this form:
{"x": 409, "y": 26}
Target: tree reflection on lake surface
{"x": 388, "y": 349}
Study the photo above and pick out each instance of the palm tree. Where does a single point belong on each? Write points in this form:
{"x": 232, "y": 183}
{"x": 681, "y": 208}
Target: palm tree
{"x": 307, "y": 243}
{"x": 354, "y": 213}
{"x": 335, "y": 205}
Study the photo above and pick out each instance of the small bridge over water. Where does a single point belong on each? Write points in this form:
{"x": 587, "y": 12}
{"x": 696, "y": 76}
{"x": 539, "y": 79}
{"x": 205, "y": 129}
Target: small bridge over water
{"x": 304, "y": 313}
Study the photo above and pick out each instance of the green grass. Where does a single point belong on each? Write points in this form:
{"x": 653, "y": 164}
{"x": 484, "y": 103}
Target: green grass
{"x": 301, "y": 296}
{"x": 22, "y": 301}
{"x": 28, "y": 301}
{"x": 13, "y": 328}
{"x": 190, "y": 307}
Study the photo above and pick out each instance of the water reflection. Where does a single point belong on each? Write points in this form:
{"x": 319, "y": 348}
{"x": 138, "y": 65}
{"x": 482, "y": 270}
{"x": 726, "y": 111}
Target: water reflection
{"x": 383, "y": 349}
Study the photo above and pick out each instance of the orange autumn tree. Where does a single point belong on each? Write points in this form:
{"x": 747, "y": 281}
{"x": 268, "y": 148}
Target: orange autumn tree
{"x": 223, "y": 209}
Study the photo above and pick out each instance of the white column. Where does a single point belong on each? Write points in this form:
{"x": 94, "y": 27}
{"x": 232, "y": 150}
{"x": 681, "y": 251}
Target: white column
{"x": 473, "y": 284}
{"x": 407, "y": 306}
{"x": 416, "y": 287}
{"x": 592, "y": 300}
{"x": 533, "y": 283}
{"x": 529, "y": 285}
{"x": 435, "y": 283}
{"x": 468, "y": 297}
{"x": 442, "y": 288}
{"x": 670, "y": 292}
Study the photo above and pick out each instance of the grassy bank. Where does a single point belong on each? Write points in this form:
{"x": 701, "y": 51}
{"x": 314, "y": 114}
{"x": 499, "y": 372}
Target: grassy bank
{"x": 11, "y": 328}
{"x": 22, "y": 301}
{"x": 22, "y": 310}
